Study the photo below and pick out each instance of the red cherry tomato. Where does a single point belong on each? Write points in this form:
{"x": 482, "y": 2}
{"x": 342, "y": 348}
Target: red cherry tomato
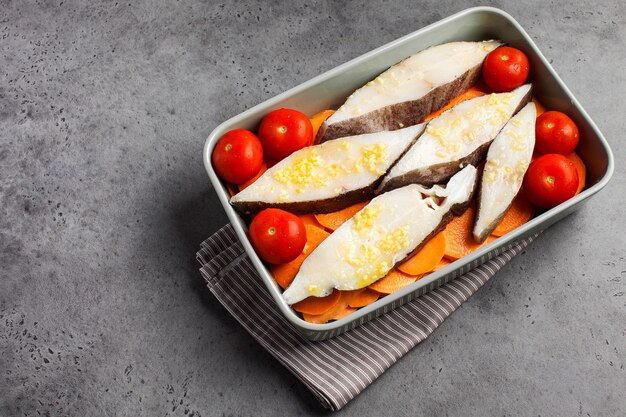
{"x": 550, "y": 180}
{"x": 284, "y": 131}
{"x": 237, "y": 156}
{"x": 277, "y": 236}
{"x": 556, "y": 133}
{"x": 505, "y": 69}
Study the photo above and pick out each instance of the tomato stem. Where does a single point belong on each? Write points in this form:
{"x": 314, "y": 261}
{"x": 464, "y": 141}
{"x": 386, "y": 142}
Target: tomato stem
{"x": 271, "y": 231}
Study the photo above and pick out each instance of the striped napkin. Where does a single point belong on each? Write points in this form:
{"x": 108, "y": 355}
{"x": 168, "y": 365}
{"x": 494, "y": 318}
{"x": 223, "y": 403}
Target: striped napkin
{"x": 338, "y": 369}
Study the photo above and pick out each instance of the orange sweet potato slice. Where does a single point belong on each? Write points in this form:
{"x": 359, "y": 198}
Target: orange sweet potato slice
{"x": 335, "y": 219}
{"x": 581, "y": 168}
{"x": 539, "y": 107}
{"x": 363, "y": 298}
{"x": 459, "y": 238}
{"x": 319, "y": 118}
{"x": 427, "y": 258}
{"x": 520, "y": 212}
{"x": 285, "y": 273}
{"x": 317, "y": 305}
{"x": 443, "y": 262}
{"x": 310, "y": 219}
{"x": 475, "y": 91}
{"x": 344, "y": 301}
{"x": 392, "y": 282}
{"x": 346, "y": 311}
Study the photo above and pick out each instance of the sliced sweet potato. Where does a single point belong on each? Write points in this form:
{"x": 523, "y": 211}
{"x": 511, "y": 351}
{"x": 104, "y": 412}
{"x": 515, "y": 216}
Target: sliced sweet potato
{"x": 344, "y": 301}
{"x": 581, "y": 168}
{"x": 335, "y": 219}
{"x": 345, "y": 312}
{"x": 363, "y": 298}
{"x": 459, "y": 238}
{"x": 320, "y": 118}
{"x": 426, "y": 258}
{"x": 394, "y": 281}
{"x": 284, "y": 274}
{"x": 310, "y": 219}
{"x": 474, "y": 91}
{"x": 317, "y": 305}
{"x": 443, "y": 262}
{"x": 520, "y": 212}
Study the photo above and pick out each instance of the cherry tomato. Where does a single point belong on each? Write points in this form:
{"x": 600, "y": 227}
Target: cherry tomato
{"x": 277, "y": 236}
{"x": 556, "y": 133}
{"x": 550, "y": 180}
{"x": 237, "y": 156}
{"x": 505, "y": 69}
{"x": 284, "y": 131}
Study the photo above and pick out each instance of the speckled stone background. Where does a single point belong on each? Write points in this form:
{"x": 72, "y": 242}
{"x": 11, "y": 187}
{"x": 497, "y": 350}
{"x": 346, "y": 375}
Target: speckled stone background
{"x": 104, "y": 108}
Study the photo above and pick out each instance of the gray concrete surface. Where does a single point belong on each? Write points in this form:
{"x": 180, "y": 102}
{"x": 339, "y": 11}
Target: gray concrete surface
{"x": 104, "y": 108}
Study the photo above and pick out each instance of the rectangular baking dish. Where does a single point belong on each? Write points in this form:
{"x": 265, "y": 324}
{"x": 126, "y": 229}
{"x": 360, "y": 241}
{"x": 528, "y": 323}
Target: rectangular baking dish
{"x": 330, "y": 89}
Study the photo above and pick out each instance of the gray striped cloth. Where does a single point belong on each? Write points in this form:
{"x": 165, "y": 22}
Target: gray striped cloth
{"x": 338, "y": 369}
